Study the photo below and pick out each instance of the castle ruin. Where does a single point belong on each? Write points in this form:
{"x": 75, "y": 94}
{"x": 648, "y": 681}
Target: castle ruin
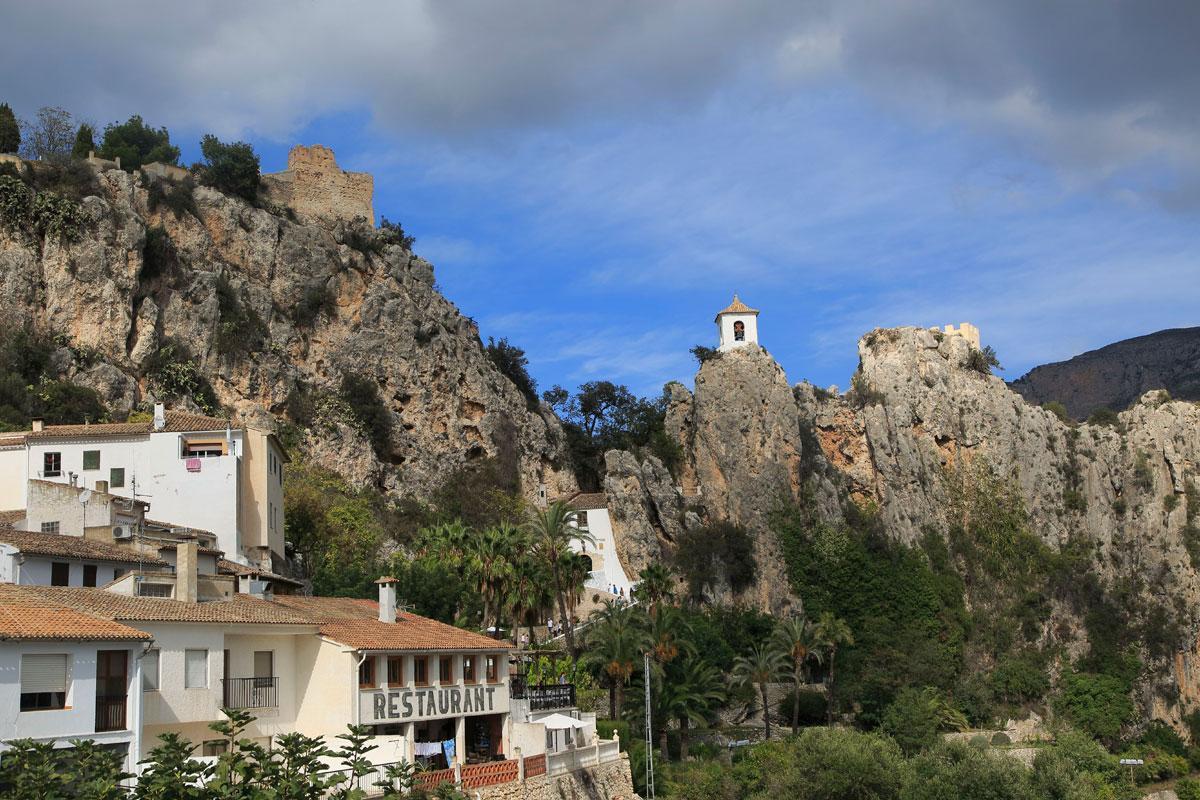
{"x": 966, "y": 330}
{"x": 317, "y": 189}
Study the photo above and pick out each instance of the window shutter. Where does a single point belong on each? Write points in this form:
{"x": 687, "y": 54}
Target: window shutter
{"x": 150, "y": 671}
{"x": 43, "y": 673}
{"x": 196, "y": 669}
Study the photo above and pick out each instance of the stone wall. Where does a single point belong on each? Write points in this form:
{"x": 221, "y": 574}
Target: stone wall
{"x": 317, "y": 189}
{"x": 611, "y": 781}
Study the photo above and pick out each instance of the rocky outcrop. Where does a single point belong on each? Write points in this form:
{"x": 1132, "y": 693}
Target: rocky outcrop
{"x": 1116, "y": 375}
{"x": 646, "y": 509}
{"x": 273, "y": 313}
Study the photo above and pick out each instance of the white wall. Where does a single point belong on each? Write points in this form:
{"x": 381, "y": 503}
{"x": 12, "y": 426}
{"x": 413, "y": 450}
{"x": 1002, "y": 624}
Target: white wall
{"x": 725, "y": 330}
{"x": 35, "y": 571}
{"x": 78, "y": 719}
{"x": 599, "y": 525}
{"x": 326, "y": 688}
{"x": 173, "y": 704}
{"x": 207, "y": 499}
{"x": 12, "y": 478}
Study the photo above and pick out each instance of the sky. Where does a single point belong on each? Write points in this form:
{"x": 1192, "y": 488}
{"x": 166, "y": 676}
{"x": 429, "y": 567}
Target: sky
{"x": 593, "y": 181}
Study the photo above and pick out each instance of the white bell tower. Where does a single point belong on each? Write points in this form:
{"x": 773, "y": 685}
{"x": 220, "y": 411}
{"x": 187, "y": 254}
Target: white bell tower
{"x": 737, "y": 326}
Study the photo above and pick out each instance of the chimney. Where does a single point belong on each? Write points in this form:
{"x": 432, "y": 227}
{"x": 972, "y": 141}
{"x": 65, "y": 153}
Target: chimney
{"x": 39, "y": 424}
{"x": 102, "y": 487}
{"x": 160, "y": 417}
{"x": 185, "y": 572}
{"x": 387, "y": 599}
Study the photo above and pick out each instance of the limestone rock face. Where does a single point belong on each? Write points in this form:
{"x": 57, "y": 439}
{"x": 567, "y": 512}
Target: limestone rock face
{"x": 377, "y": 315}
{"x": 644, "y": 506}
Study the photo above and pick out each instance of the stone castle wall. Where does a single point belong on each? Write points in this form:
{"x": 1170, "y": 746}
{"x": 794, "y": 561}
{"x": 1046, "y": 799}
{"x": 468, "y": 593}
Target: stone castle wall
{"x": 317, "y": 189}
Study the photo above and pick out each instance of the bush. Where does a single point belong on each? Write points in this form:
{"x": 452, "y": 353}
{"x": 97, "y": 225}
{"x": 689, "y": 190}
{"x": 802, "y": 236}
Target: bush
{"x": 984, "y": 360}
{"x": 822, "y": 764}
{"x": 605, "y": 728}
{"x": 1098, "y": 704}
{"x": 1187, "y": 789}
{"x": 704, "y": 354}
{"x": 1059, "y": 410}
{"x": 158, "y": 254}
{"x": 393, "y": 233}
{"x": 137, "y": 144}
{"x": 862, "y": 393}
{"x": 1020, "y": 677}
{"x": 42, "y": 214}
{"x": 230, "y": 168}
{"x": 174, "y": 373}
{"x": 362, "y": 395}
{"x": 16, "y": 203}
{"x": 315, "y": 301}
{"x": 177, "y": 197}
{"x": 912, "y": 720}
{"x": 1001, "y": 739}
{"x": 719, "y": 552}
{"x": 240, "y": 331}
{"x": 1104, "y": 416}
{"x": 512, "y": 363}
{"x": 956, "y": 770}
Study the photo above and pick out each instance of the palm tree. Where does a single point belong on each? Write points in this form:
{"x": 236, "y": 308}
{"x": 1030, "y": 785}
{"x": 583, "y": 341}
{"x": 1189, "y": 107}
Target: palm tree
{"x": 446, "y": 542}
{"x": 830, "y": 633}
{"x": 616, "y": 640}
{"x": 764, "y": 665}
{"x": 553, "y": 530}
{"x": 489, "y": 556}
{"x": 528, "y": 594}
{"x": 796, "y": 639}
{"x": 669, "y": 632}
{"x": 691, "y": 694}
{"x": 656, "y": 585}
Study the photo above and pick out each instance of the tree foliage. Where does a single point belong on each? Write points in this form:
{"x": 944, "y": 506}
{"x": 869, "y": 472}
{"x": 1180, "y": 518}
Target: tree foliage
{"x": 10, "y": 131}
{"x": 513, "y": 364}
{"x": 49, "y": 137}
{"x": 713, "y": 557}
{"x": 230, "y": 168}
{"x": 137, "y": 144}
{"x": 85, "y": 141}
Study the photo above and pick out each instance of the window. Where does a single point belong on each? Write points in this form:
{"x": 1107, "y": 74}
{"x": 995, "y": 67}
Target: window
{"x": 468, "y": 669}
{"x": 195, "y": 669}
{"x": 60, "y": 573}
{"x": 366, "y": 673}
{"x": 214, "y": 747}
{"x": 446, "y": 669}
{"x": 118, "y": 572}
{"x": 581, "y": 519}
{"x": 493, "y": 669}
{"x": 264, "y": 663}
{"x": 154, "y": 589}
{"x": 51, "y": 465}
{"x": 150, "y": 671}
{"x": 204, "y": 448}
{"x": 421, "y": 671}
{"x": 89, "y": 574}
{"x": 396, "y": 671}
{"x": 116, "y": 478}
{"x": 91, "y": 459}
{"x": 43, "y": 682}
{"x": 50, "y": 527}
{"x": 739, "y": 331}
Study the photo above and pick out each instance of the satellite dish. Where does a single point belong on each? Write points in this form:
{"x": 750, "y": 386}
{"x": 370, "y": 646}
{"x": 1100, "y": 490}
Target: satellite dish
{"x": 84, "y": 496}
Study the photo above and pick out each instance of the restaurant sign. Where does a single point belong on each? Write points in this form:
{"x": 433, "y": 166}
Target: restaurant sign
{"x": 412, "y": 705}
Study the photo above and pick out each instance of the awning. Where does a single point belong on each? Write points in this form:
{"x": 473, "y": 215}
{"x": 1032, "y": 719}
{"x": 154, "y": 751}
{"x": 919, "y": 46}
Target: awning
{"x": 558, "y": 722}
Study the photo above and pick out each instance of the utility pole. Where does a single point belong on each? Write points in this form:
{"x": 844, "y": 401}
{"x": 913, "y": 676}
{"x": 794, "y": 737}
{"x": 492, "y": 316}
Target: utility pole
{"x": 649, "y": 731}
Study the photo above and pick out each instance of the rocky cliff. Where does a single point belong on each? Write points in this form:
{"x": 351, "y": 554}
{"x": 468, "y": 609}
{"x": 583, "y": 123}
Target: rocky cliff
{"x": 1116, "y": 375}
{"x": 921, "y": 420}
{"x": 151, "y": 303}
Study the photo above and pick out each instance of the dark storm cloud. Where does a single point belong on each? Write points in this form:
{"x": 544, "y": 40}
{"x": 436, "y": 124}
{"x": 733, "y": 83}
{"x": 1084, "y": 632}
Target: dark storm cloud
{"x": 1091, "y": 87}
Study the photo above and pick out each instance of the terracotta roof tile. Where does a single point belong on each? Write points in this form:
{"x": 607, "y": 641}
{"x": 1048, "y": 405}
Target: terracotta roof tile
{"x": 7, "y": 518}
{"x": 584, "y": 501}
{"x": 26, "y": 615}
{"x": 63, "y": 546}
{"x": 355, "y": 623}
{"x": 110, "y": 605}
{"x": 177, "y": 422}
{"x": 737, "y": 307}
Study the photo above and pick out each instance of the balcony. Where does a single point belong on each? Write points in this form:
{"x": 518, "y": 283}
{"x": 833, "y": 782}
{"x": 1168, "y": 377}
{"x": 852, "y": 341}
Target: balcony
{"x": 251, "y": 692}
{"x": 543, "y": 698}
{"x": 110, "y": 713}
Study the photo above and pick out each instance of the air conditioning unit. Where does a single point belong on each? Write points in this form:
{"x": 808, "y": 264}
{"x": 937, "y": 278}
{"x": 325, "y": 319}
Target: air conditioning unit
{"x": 122, "y": 531}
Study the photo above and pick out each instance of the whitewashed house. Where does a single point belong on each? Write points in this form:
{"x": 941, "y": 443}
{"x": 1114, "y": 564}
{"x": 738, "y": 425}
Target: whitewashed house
{"x": 608, "y": 573}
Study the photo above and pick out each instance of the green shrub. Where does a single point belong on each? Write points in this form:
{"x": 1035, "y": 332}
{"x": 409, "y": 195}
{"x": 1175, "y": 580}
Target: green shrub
{"x": 1187, "y": 789}
{"x": 1104, "y": 416}
{"x": 1098, "y": 704}
{"x": 1020, "y": 677}
{"x": 512, "y": 363}
{"x": 980, "y": 740}
{"x": 955, "y": 770}
{"x": 1059, "y": 410}
{"x": 240, "y": 331}
{"x": 605, "y": 728}
{"x": 16, "y": 203}
{"x": 137, "y": 144}
{"x": 230, "y": 168}
{"x": 984, "y": 360}
{"x": 158, "y": 254}
{"x": 393, "y": 233}
{"x": 704, "y": 354}
{"x": 179, "y": 198}
{"x": 174, "y": 373}
{"x": 1001, "y": 739}
{"x": 862, "y": 393}
{"x": 707, "y": 556}
{"x": 1170, "y": 502}
{"x": 912, "y": 720}
{"x": 85, "y": 141}
{"x": 58, "y": 217}
{"x": 1161, "y": 736}
{"x": 316, "y": 300}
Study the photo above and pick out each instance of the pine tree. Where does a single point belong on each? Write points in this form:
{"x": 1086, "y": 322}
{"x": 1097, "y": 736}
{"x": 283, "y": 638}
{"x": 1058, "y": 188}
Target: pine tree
{"x": 85, "y": 141}
{"x": 10, "y": 132}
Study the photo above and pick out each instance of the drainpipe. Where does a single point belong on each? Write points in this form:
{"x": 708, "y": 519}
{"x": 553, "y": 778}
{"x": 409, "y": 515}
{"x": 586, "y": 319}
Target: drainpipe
{"x": 354, "y": 688}
{"x": 139, "y": 713}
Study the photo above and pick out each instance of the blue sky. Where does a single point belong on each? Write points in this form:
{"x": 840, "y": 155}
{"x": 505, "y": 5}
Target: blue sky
{"x": 594, "y": 182}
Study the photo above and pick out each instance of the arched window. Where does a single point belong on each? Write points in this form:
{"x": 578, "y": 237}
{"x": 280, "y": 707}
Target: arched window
{"x": 739, "y": 331}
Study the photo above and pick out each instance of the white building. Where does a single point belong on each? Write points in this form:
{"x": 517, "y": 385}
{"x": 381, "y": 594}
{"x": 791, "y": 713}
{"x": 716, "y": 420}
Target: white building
{"x": 202, "y": 471}
{"x": 737, "y": 326}
{"x": 68, "y": 675}
{"x": 608, "y": 574}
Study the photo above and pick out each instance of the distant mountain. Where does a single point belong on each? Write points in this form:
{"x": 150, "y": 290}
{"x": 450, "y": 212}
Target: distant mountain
{"x": 1116, "y": 375}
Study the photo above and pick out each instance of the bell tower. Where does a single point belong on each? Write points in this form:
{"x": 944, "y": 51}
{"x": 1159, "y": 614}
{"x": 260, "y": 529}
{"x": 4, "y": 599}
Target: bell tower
{"x": 737, "y": 326}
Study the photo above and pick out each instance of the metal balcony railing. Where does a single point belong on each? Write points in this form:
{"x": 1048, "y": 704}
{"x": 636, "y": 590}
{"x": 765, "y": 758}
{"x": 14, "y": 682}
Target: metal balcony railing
{"x": 110, "y": 712}
{"x": 542, "y": 698}
{"x": 251, "y": 692}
